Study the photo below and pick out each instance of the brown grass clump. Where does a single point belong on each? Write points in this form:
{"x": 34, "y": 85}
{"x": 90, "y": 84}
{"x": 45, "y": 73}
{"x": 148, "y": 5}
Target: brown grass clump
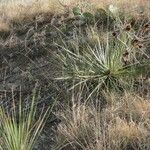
{"x": 124, "y": 130}
{"x": 134, "y": 107}
{"x": 115, "y": 127}
{"x": 77, "y": 127}
{"x": 142, "y": 107}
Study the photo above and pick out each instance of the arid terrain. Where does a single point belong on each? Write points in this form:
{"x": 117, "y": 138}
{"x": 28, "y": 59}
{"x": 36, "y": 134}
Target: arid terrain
{"x": 74, "y": 75}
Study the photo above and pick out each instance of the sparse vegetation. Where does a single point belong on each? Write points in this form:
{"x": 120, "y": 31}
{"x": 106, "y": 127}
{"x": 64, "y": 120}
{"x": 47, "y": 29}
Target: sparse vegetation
{"x": 92, "y": 57}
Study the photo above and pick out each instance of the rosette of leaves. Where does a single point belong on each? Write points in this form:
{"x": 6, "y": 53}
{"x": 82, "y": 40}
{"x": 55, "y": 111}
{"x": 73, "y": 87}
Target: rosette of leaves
{"x": 99, "y": 66}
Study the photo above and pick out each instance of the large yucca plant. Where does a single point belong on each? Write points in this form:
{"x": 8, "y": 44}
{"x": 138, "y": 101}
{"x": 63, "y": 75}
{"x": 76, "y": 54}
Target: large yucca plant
{"x": 101, "y": 65}
{"x": 19, "y": 129}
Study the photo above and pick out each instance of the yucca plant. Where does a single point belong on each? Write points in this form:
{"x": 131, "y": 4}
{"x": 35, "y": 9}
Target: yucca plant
{"x": 19, "y": 129}
{"x": 106, "y": 64}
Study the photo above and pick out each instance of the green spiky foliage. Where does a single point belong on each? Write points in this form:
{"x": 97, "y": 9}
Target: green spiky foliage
{"x": 19, "y": 130}
{"x": 104, "y": 65}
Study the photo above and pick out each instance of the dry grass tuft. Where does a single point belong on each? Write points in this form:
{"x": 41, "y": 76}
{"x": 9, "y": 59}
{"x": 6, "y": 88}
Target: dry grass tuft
{"x": 131, "y": 106}
{"x": 142, "y": 107}
{"x": 124, "y": 130}
{"x": 115, "y": 127}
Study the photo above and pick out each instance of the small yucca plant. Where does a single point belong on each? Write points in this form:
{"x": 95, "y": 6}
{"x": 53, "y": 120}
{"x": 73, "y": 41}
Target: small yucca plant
{"x": 19, "y": 130}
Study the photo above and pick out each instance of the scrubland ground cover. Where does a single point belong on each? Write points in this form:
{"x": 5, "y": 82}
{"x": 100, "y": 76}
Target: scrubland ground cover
{"x": 89, "y": 61}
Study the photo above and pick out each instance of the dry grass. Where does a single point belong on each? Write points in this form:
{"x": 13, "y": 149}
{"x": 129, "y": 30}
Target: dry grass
{"x": 115, "y": 127}
{"x": 20, "y": 10}
{"x": 122, "y": 129}
{"x": 134, "y": 107}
